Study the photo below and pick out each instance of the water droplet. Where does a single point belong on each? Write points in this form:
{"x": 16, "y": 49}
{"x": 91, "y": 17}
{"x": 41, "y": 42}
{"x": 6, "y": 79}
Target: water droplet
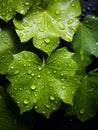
{"x": 47, "y": 40}
{"x": 52, "y": 98}
{"x": 62, "y": 74}
{"x": 39, "y": 22}
{"x": 96, "y": 43}
{"x": 39, "y": 68}
{"x": 29, "y": 72}
{"x": 26, "y": 102}
{"x": 61, "y": 26}
{"x": 70, "y": 21}
{"x": 33, "y": 87}
{"x": 44, "y": 112}
{"x": 62, "y": 79}
{"x": 58, "y": 11}
{"x": 35, "y": 107}
{"x": 82, "y": 111}
{"x": 73, "y": 5}
{"x": 63, "y": 87}
{"x": 54, "y": 108}
{"x": 47, "y": 106}
{"x": 27, "y": 3}
{"x": 38, "y": 76}
{"x": 12, "y": 67}
{"x": 16, "y": 72}
{"x": 41, "y": 29}
{"x": 32, "y": 74}
{"x": 22, "y": 11}
{"x": 54, "y": 71}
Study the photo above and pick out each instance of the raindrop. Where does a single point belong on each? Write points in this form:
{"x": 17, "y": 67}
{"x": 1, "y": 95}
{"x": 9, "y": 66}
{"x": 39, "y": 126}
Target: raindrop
{"x": 61, "y": 26}
{"x": 38, "y": 76}
{"x": 82, "y": 111}
{"x": 39, "y": 68}
{"x": 47, "y": 40}
{"x": 26, "y": 101}
{"x": 70, "y": 21}
{"x": 39, "y": 22}
{"x": 58, "y": 11}
{"x": 22, "y": 11}
{"x": 44, "y": 112}
{"x": 52, "y": 98}
{"x": 33, "y": 87}
{"x": 27, "y": 3}
{"x": 47, "y": 106}
{"x": 62, "y": 79}
{"x": 63, "y": 87}
{"x": 41, "y": 29}
{"x": 35, "y": 107}
{"x": 12, "y": 67}
{"x": 96, "y": 43}
{"x": 16, "y": 72}
{"x": 54, "y": 71}
{"x": 32, "y": 74}
{"x": 62, "y": 74}
{"x": 73, "y": 5}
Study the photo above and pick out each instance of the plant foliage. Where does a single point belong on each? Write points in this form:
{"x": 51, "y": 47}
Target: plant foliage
{"x": 43, "y": 75}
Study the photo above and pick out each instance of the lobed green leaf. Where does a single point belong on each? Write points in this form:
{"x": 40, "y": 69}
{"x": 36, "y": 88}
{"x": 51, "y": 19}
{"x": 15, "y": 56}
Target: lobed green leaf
{"x": 47, "y": 22}
{"x": 43, "y": 85}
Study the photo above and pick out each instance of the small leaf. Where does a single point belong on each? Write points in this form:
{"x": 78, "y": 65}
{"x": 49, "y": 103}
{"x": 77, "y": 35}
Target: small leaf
{"x": 58, "y": 19}
{"x": 8, "y": 8}
{"x": 43, "y": 85}
{"x": 85, "y": 42}
{"x": 85, "y": 104}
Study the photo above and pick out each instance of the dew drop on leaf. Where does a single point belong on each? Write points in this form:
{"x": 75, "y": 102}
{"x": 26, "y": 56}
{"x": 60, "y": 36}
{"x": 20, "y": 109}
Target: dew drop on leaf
{"x": 61, "y": 26}
{"x": 26, "y": 101}
{"x": 33, "y": 87}
{"x": 96, "y": 43}
{"x": 16, "y": 72}
{"x": 39, "y": 68}
{"x": 70, "y": 21}
{"x": 58, "y": 11}
{"x": 38, "y": 76}
{"x": 73, "y": 5}
{"x": 41, "y": 29}
{"x": 27, "y": 3}
{"x": 32, "y": 74}
{"x": 47, "y": 40}
{"x": 52, "y": 98}
{"x": 47, "y": 106}
{"x": 82, "y": 111}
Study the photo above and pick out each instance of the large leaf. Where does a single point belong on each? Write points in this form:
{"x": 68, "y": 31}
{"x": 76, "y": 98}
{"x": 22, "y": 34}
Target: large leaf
{"x": 8, "y": 8}
{"x": 8, "y": 119}
{"x": 85, "y": 104}
{"x": 46, "y": 25}
{"x": 43, "y": 85}
{"x": 85, "y": 42}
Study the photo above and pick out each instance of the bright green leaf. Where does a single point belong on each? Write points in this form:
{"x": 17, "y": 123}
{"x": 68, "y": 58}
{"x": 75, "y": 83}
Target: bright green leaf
{"x": 43, "y": 85}
{"x": 85, "y": 42}
{"x": 8, "y": 46}
{"x": 86, "y": 98}
{"x": 58, "y": 19}
{"x": 8, "y": 8}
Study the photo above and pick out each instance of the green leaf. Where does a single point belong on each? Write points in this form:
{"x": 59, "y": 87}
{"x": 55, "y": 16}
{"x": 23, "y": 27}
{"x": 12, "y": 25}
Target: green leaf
{"x": 43, "y": 85}
{"x": 47, "y": 25}
{"x": 8, "y": 119}
{"x": 85, "y": 104}
{"x": 85, "y": 42}
{"x": 8, "y": 45}
{"x": 8, "y": 8}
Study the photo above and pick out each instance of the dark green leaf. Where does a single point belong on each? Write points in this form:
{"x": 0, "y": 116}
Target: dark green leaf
{"x": 85, "y": 41}
{"x": 86, "y": 98}
{"x": 43, "y": 85}
{"x": 8, "y": 45}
